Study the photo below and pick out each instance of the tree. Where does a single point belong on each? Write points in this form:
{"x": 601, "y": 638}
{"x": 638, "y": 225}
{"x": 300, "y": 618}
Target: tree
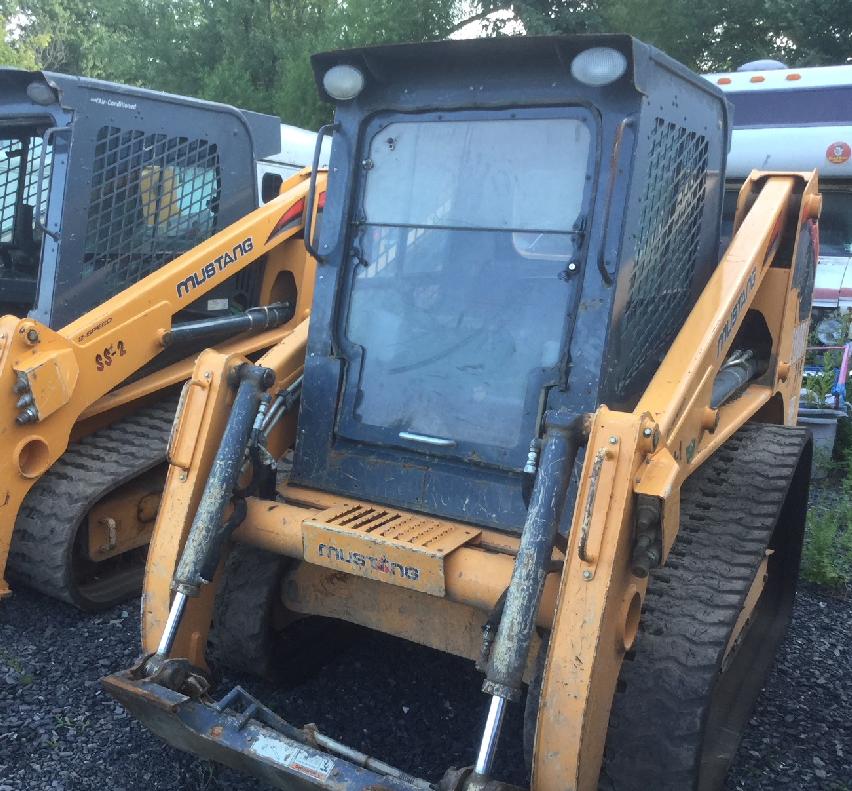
{"x": 707, "y": 35}
{"x": 251, "y": 53}
{"x": 255, "y": 53}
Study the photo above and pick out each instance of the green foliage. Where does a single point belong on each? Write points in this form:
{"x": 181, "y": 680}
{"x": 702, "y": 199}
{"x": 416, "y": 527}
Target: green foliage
{"x": 827, "y": 555}
{"x": 251, "y": 53}
{"x": 708, "y": 35}
{"x": 255, "y": 53}
{"x": 844, "y": 319}
{"x": 15, "y": 664}
{"x": 819, "y": 386}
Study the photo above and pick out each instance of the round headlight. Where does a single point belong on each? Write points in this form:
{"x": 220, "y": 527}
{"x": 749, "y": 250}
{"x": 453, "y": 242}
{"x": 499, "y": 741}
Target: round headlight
{"x": 41, "y": 93}
{"x": 343, "y": 82}
{"x": 598, "y": 66}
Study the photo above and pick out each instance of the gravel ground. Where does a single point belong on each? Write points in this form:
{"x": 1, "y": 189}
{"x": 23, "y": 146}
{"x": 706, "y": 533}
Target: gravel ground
{"x": 411, "y": 706}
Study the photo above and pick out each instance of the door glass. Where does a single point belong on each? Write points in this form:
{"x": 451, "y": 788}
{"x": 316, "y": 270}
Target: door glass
{"x": 458, "y": 302}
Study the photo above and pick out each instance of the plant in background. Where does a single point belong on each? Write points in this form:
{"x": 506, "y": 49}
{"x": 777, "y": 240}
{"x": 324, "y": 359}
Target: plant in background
{"x": 829, "y": 329}
{"x": 827, "y": 554}
{"x": 818, "y": 386}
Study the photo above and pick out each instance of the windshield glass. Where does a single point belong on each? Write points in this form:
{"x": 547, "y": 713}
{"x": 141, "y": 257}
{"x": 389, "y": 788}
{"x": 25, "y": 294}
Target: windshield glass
{"x": 459, "y": 294}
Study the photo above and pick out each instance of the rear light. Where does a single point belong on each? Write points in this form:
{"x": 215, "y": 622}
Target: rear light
{"x": 293, "y": 215}
{"x": 290, "y": 217}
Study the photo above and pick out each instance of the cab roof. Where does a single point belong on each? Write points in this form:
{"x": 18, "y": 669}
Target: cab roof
{"x": 394, "y": 62}
{"x": 781, "y": 79}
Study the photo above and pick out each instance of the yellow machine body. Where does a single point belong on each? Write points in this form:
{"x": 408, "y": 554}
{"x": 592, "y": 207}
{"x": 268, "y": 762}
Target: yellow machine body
{"x": 448, "y": 176}
{"x": 439, "y": 589}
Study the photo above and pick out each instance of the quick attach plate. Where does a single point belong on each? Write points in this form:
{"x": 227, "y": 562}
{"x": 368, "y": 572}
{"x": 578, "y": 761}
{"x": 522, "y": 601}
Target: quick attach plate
{"x": 382, "y": 544}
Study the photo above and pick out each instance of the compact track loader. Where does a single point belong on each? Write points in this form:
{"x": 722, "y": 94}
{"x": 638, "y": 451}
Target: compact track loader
{"x": 101, "y": 184}
{"x": 541, "y": 425}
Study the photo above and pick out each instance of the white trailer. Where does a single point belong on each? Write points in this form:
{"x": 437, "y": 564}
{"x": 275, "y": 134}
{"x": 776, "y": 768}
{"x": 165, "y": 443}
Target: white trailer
{"x": 297, "y": 152}
{"x": 800, "y": 119}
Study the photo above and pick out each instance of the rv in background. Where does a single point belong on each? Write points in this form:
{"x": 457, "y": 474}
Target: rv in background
{"x": 297, "y": 152}
{"x": 800, "y": 119}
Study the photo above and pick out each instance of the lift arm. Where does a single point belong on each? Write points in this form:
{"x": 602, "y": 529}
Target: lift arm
{"x": 50, "y": 377}
{"x": 627, "y": 513}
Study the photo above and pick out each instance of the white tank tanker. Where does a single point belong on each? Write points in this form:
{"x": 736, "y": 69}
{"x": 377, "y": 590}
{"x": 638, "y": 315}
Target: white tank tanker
{"x": 800, "y": 119}
{"x": 297, "y": 152}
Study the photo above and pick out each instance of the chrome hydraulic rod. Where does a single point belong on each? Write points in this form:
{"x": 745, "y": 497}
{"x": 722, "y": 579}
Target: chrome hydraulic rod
{"x": 172, "y": 623}
{"x": 508, "y": 655}
{"x": 210, "y": 530}
{"x": 488, "y": 746}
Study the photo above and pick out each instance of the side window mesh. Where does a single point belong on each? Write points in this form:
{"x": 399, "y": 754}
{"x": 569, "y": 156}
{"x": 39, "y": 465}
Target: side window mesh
{"x": 667, "y": 249}
{"x": 153, "y": 198}
{"x": 20, "y": 158}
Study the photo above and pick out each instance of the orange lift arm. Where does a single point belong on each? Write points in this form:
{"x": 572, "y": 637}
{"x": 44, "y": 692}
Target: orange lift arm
{"x": 51, "y": 377}
{"x": 637, "y": 461}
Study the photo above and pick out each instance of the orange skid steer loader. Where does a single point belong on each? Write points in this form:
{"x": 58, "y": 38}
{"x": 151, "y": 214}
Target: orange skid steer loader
{"x": 88, "y": 407}
{"x": 541, "y": 425}
{"x": 100, "y": 185}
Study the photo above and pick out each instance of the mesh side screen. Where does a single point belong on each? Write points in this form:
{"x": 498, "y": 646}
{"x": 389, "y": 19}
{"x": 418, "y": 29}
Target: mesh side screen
{"x": 153, "y": 198}
{"x": 667, "y": 248}
{"x": 10, "y": 163}
{"x": 12, "y": 150}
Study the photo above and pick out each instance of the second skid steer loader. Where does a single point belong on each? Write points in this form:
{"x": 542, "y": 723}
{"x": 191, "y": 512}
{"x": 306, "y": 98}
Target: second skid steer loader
{"x": 541, "y": 425}
{"x": 100, "y": 185}
{"x": 85, "y": 421}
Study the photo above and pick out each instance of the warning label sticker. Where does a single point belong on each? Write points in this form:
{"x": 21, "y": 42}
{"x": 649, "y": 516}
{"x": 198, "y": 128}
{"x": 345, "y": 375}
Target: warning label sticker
{"x": 294, "y": 758}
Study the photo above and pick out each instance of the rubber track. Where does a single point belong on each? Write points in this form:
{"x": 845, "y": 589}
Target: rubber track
{"x": 42, "y": 550}
{"x": 729, "y": 508}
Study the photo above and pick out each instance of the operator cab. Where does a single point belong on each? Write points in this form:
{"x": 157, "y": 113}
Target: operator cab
{"x": 26, "y": 164}
{"x": 101, "y": 184}
{"x": 484, "y": 249}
